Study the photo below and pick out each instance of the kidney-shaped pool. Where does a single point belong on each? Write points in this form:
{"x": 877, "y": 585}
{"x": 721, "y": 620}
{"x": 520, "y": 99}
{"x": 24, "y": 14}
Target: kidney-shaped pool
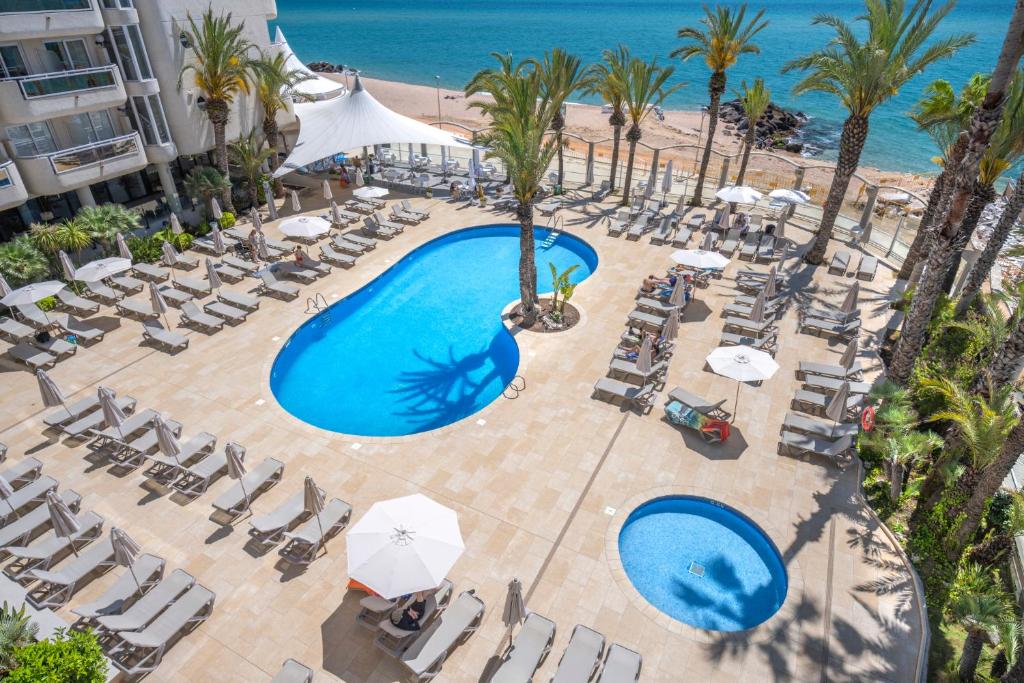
{"x": 423, "y": 345}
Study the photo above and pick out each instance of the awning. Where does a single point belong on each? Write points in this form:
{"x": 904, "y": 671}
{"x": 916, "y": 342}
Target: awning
{"x": 317, "y": 87}
{"x": 353, "y": 121}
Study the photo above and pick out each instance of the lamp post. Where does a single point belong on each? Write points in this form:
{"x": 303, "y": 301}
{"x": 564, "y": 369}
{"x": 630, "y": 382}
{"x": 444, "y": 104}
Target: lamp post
{"x": 437, "y": 86}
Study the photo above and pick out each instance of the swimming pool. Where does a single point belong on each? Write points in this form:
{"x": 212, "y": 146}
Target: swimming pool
{"x": 423, "y": 345}
{"x": 702, "y": 563}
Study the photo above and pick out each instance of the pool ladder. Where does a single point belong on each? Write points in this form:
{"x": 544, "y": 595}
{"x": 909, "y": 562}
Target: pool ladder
{"x": 318, "y": 304}
{"x": 557, "y": 222}
{"x": 514, "y": 388}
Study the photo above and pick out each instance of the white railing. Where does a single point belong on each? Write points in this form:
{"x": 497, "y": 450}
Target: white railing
{"x": 56, "y": 83}
{"x": 74, "y": 158}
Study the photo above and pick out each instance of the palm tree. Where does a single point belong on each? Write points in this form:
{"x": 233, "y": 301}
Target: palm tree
{"x": 983, "y": 266}
{"x": 274, "y": 87}
{"x": 72, "y": 235}
{"x": 645, "y": 89}
{"x": 21, "y": 261}
{"x": 222, "y": 69}
{"x": 205, "y": 183}
{"x": 106, "y": 221}
{"x": 980, "y": 606}
{"x": 248, "y": 156}
{"x": 865, "y": 74}
{"x": 726, "y": 35}
{"x": 984, "y": 123}
{"x": 562, "y": 74}
{"x": 901, "y": 451}
{"x": 999, "y": 541}
{"x": 608, "y": 79}
{"x": 520, "y": 118}
{"x": 755, "y": 100}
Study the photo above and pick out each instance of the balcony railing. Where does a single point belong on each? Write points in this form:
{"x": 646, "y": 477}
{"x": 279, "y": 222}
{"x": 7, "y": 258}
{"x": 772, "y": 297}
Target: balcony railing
{"x": 67, "y": 82}
{"x": 11, "y": 6}
{"x": 5, "y": 175}
{"x": 74, "y": 158}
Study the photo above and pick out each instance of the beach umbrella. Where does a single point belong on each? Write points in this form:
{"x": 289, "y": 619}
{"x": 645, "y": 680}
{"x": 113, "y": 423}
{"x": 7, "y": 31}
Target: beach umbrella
{"x": 836, "y": 408}
{"x": 125, "y": 551}
{"x": 65, "y": 524}
{"x": 671, "y": 329}
{"x": 790, "y": 198}
{"x": 169, "y": 255}
{"x": 700, "y": 259}
{"x": 122, "y": 247}
{"x": 166, "y": 439}
{"x": 313, "y": 502}
{"x": 471, "y": 180}
{"x": 305, "y": 227}
{"x": 268, "y": 192}
{"x": 261, "y": 247}
{"x": 666, "y": 182}
{"x": 643, "y": 359}
{"x": 215, "y": 209}
{"x": 336, "y": 213}
{"x": 254, "y": 216}
{"x": 5, "y": 288}
{"x": 370, "y": 192}
{"x": 212, "y": 275}
{"x": 850, "y": 354}
{"x": 742, "y": 364}
{"x": 850, "y": 301}
{"x": 6, "y": 491}
{"x": 328, "y": 195}
{"x": 769, "y": 287}
{"x": 678, "y": 295}
{"x": 757, "y": 310}
{"x": 358, "y": 177}
{"x": 708, "y": 243}
{"x": 176, "y": 224}
{"x": 32, "y": 293}
{"x": 236, "y": 469}
{"x": 156, "y": 300}
{"x": 101, "y": 269}
{"x": 112, "y": 413}
{"x": 218, "y": 240}
{"x": 404, "y": 545}
{"x": 515, "y": 607}
{"x": 66, "y": 265}
{"x": 739, "y": 194}
{"x": 296, "y": 207}
{"x": 49, "y": 391}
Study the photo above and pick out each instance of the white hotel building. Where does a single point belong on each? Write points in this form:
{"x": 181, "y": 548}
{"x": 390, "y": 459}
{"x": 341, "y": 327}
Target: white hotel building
{"x": 90, "y": 109}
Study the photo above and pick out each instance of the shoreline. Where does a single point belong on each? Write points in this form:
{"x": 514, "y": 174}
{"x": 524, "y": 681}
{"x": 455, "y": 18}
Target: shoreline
{"x": 680, "y": 127}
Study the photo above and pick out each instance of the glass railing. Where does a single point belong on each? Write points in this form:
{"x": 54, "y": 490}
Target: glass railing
{"x": 93, "y": 153}
{"x": 43, "y": 5}
{"x": 65, "y": 82}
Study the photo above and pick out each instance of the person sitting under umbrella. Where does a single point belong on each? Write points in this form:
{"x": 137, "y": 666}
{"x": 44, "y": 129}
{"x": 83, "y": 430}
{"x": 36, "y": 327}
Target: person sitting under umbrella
{"x": 300, "y": 256}
{"x": 409, "y": 617}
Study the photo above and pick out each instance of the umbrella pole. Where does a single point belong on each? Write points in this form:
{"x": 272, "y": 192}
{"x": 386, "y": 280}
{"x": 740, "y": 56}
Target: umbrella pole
{"x": 736, "y": 403}
{"x": 10, "y": 505}
{"x": 137, "y": 584}
{"x": 323, "y": 540}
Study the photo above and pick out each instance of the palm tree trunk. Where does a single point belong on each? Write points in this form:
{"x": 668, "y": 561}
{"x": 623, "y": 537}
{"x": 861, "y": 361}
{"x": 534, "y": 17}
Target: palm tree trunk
{"x": 1016, "y": 672}
{"x": 633, "y": 136}
{"x": 558, "y": 124}
{"x": 218, "y": 112}
{"x": 273, "y": 135}
{"x": 716, "y": 86}
{"x": 970, "y": 654}
{"x": 855, "y": 133}
{"x": 991, "y": 550}
{"x": 748, "y": 143}
{"x": 616, "y": 136}
{"x": 1006, "y": 363}
{"x": 895, "y": 481}
{"x": 527, "y": 263}
{"x": 983, "y": 266}
{"x": 980, "y": 198}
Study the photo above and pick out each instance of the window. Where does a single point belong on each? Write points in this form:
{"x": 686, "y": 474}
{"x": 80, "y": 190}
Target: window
{"x": 42, "y": 5}
{"x": 90, "y": 127}
{"x": 12, "y": 63}
{"x": 118, "y": 4}
{"x": 32, "y": 139}
{"x": 65, "y": 55}
{"x": 148, "y": 116}
{"x": 131, "y": 52}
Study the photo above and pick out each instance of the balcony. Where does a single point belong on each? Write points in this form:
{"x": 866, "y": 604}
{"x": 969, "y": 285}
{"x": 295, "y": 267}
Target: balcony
{"x": 28, "y": 19}
{"x": 39, "y": 97}
{"x": 69, "y": 169}
{"x": 12, "y": 189}
{"x": 161, "y": 153}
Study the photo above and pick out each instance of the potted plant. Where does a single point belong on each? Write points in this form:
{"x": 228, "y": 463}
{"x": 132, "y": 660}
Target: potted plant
{"x": 480, "y": 196}
{"x": 429, "y": 193}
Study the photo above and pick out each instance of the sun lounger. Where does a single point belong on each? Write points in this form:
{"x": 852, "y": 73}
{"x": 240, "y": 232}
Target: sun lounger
{"x": 581, "y": 658}
{"x": 732, "y": 239}
{"x": 293, "y": 672}
{"x": 145, "y": 572}
{"x": 701, "y": 405}
{"x": 831, "y": 385}
{"x": 127, "y": 284}
{"x": 102, "y": 293}
{"x": 743, "y": 310}
{"x": 273, "y": 287}
{"x": 425, "y": 656}
{"x": 394, "y": 640}
{"x": 639, "y": 227}
{"x": 840, "y": 263}
{"x": 749, "y": 248}
{"x": 70, "y": 301}
{"x": 233, "y": 501}
{"x": 229, "y": 314}
{"x": 138, "y": 422}
{"x": 327, "y": 253}
{"x": 368, "y": 242}
{"x": 867, "y": 268}
{"x": 228, "y": 273}
{"x": 175, "y": 297}
{"x": 682, "y": 236}
{"x": 655, "y": 306}
{"x": 400, "y": 214}
{"x": 192, "y": 315}
{"x": 267, "y": 529}
{"x": 241, "y": 300}
{"x": 530, "y": 647}
{"x": 814, "y": 403}
{"x": 766, "y": 250}
{"x": 371, "y": 227}
{"x": 198, "y": 446}
{"x": 801, "y": 444}
{"x": 383, "y": 222}
{"x": 56, "y": 346}
{"x": 619, "y": 224}
{"x": 663, "y": 233}
{"x": 22, "y": 472}
{"x": 830, "y": 314}
{"x": 81, "y": 330}
{"x": 802, "y": 424}
{"x": 626, "y": 370}
{"x": 90, "y": 421}
{"x": 631, "y": 395}
{"x": 347, "y": 218}
{"x": 343, "y": 244}
{"x": 154, "y": 332}
{"x": 56, "y": 587}
{"x": 768, "y": 344}
{"x": 647, "y": 321}
{"x": 14, "y": 331}
{"x": 196, "y": 479}
{"x": 137, "y": 653}
{"x": 185, "y": 261}
{"x": 34, "y": 315}
{"x": 49, "y": 548}
{"x": 829, "y": 328}
{"x": 407, "y": 205}
{"x": 31, "y": 356}
{"x": 194, "y": 286}
{"x": 296, "y": 272}
{"x": 809, "y": 368}
{"x": 130, "y": 452}
{"x": 136, "y": 308}
{"x": 374, "y": 608}
{"x": 22, "y": 530}
{"x": 151, "y": 272}
{"x": 755, "y": 329}
{"x": 359, "y": 206}
{"x": 145, "y": 609}
{"x": 621, "y": 665}
{"x": 239, "y": 263}
{"x": 305, "y": 541}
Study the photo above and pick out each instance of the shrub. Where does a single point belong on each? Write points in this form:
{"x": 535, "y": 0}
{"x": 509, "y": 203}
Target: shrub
{"x": 145, "y": 249}
{"x": 16, "y": 631}
{"x": 22, "y": 262}
{"x": 200, "y": 230}
{"x": 180, "y": 242}
{"x": 227, "y": 220}
{"x": 68, "y": 657}
{"x": 47, "y": 304}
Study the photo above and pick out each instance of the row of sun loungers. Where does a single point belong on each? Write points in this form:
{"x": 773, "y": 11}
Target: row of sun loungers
{"x": 840, "y": 265}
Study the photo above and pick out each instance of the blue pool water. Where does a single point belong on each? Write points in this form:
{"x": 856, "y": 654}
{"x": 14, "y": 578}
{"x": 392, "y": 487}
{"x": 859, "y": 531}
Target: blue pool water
{"x": 667, "y": 543}
{"x": 423, "y": 345}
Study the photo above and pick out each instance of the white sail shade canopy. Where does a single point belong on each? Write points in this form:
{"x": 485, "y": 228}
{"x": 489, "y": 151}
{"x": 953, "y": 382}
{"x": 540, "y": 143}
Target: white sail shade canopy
{"x": 316, "y": 87}
{"x": 353, "y": 121}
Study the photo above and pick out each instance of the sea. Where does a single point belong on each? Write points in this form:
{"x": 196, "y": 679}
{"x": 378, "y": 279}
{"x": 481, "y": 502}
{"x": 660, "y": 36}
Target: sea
{"x": 415, "y": 41}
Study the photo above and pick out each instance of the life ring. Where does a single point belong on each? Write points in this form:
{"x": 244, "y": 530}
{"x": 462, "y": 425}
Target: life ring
{"x": 867, "y": 419}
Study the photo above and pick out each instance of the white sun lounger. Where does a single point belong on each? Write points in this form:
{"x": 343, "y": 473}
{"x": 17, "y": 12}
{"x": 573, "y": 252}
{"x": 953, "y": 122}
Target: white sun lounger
{"x": 581, "y": 658}
{"x": 23, "y": 529}
{"x": 31, "y": 356}
{"x": 198, "y": 446}
{"x": 732, "y": 239}
{"x": 755, "y": 329}
{"x": 175, "y": 297}
{"x": 196, "y": 479}
{"x": 229, "y": 273}
{"x": 327, "y": 253}
{"x": 639, "y": 227}
{"x": 145, "y": 609}
{"x": 840, "y": 263}
{"x": 192, "y": 315}
{"x": 271, "y": 286}
{"x": 631, "y": 395}
{"x": 829, "y": 328}
{"x": 293, "y": 672}
{"x": 814, "y": 403}
{"x": 407, "y": 205}
{"x": 194, "y": 286}
{"x": 22, "y": 472}
{"x": 48, "y": 548}
{"x": 802, "y": 424}
{"x": 749, "y": 248}
{"x": 826, "y": 370}
{"x": 55, "y": 345}
{"x": 621, "y": 665}
{"x": 136, "y": 308}
{"x": 102, "y": 293}
{"x": 531, "y": 645}
{"x": 127, "y": 284}
{"x": 14, "y": 331}
{"x": 619, "y": 225}
{"x": 368, "y": 242}
{"x": 233, "y": 501}
{"x": 427, "y": 653}
{"x": 626, "y": 369}
{"x": 305, "y": 541}
{"x": 238, "y": 299}
{"x": 240, "y": 264}
{"x": 229, "y": 313}
{"x": 151, "y": 272}
{"x": 186, "y": 261}
{"x": 801, "y": 444}
{"x": 371, "y": 227}
{"x": 831, "y": 385}
{"x": 394, "y": 640}
{"x": 268, "y": 529}
{"x": 347, "y": 246}
{"x": 138, "y": 422}
{"x": 867, "y": 268}
{"x": 91, "y": 420}
{"x": 399, "y": 214}
{"x": 153, "y": 331}
{"x": 70, "y": 301}
{"x": 663, "y": 233}
{"x": 56, "y": 587}
{"x": 80, "y": 329}
{"x": 766, "y": 250}
{"x": 145, "y": 572}
{"x": 768, "y": 344}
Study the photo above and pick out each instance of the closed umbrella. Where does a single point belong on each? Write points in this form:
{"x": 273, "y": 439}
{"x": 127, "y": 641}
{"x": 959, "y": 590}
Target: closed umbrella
{"x": 101, "y": 269}
{"x": 305, "y": 227}
{"x": 471, "y": 180}
{"x": 65, "y": 265}
{"x": 268, "y": 192}
{"x": 336, "y": 213}
{"x": 112, "y": 413}
{"x": 218, "y": 240}
{"x": 708, "y": 243}
{"x": 313, "y": 502}
{"x": 404, "y": 545}
{"x": 700, "y": 259}
{"x": 168, "y": 254}
{"x": 328, "y": 195}
{"x": 5, "y": 288}
{"x": 215, "y": 209}
{"x": 742, "y": 364}
{"x": 358, "y": 177}
{"x": 212, "y": 275}
{"x": 678, "y": 296}
{"x": 236, "y": 469}
{"x": 157, "y": 301}
{"x": 261, "y": 247}
{"x": 166, "y": 440}
{"x": 65, "y": 524}
{"x": 850, "y": 302}
{"x": 515, "y": 607}
{"x": 254, "y": 216}
{"x": 757, "y": 310}
{"x": 671, "y": 329}
{"x": 296, "y": 206}
{"x": 739, "y": 194}
{"x": 49, "y": 391}
{"x": 410, "y": 154}
{"x": 769, "y": 287}
{"x": 122, "y": 247}
{"x": 643, "y": 359}
{"x": 666, "y": 182}
{"x": 836, "y": 408}
{"x": 370, "y": 192}
{"x": 176, "y": 224}
{"x": 125, "y": 551}
{"x": 6, "y": 491}
{"x": 850, "y": 354}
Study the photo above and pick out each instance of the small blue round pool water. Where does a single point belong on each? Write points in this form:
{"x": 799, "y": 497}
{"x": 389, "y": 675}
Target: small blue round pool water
{"x": 423, "y": 345}
{"x": 702, "y": 563}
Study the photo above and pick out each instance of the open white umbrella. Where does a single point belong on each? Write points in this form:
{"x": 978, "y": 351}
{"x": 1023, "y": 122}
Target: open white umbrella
{"x": 370, "y": 192}
{"x": 313, "y": 502}
{"x": 328, "y": 195}
{"x": 699, "y": 258}
{"x": 404, "y": 545}
{"x": 65, "y": 265}
{"x": 790, "y": 198}
{"x": 850, "y": 300}
{"x": 157, "y": 301}
{"x": 234, "y": 453}
{"x": 32, "y": 293}
{"x": 112, "y": 413}
{"x": 212, "y": 275}
{"x": 215, "y": 209}
{"x": 305, "y": 226}
{"x": 176, "y": 224}
{"x": 515, "y": 607}
{"x": 5, "y": 288}
{"x": 850, "y": 354}
{"x": 49, "y": 391}
{"x": 296, "y": 206}
{"x": 268, "y": 192}
{"x": 101, "y": 269}
{"x": 739, "y": 194}
{"x": 122, "y": 247}
{"x": 125, "y": 551}
{"x": 742, "y": 364}
{"x": 65, "y": 524}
